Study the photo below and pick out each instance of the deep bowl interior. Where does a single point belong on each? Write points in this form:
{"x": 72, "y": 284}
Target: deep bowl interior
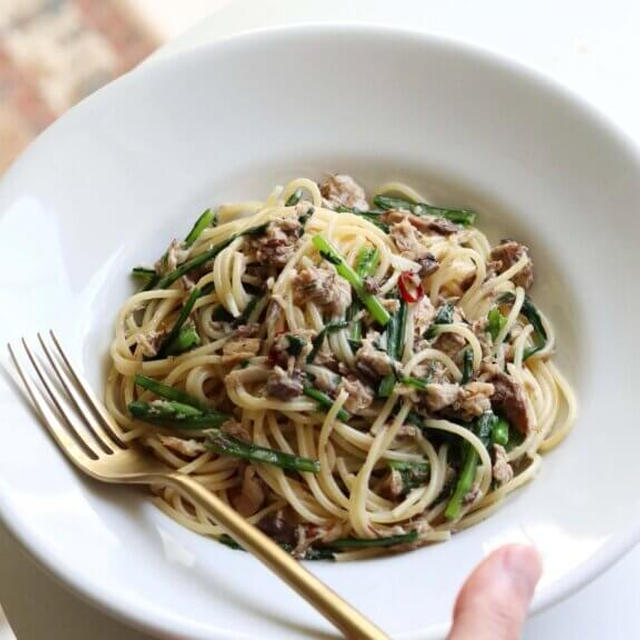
{"x": 109, "y": 184}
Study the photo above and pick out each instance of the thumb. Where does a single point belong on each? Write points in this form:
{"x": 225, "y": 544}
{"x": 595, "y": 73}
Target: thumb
{"x": 493, "y": 602}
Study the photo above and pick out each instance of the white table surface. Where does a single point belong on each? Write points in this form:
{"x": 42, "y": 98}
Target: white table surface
{"x": 590, "y": 46}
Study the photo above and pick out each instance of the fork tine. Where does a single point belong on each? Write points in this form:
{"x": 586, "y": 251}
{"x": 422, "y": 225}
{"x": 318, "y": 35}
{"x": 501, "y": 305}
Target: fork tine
{"x": 56, "y": 401}
{"x": 68, "y": 445}
{"x": 102, "y": 437}
{"x": 100, "y": 411}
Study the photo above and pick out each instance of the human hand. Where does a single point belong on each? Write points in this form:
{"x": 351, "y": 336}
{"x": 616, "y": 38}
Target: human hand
{"x": 493, "y": 602}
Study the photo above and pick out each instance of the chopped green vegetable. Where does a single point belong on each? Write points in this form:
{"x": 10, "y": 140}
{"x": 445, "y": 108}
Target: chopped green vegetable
{"x": 496, "y": 322}
{"x": 391, "y": 333}
{"x": 416, "y": 420}
{"x": 371, "y": 216}
{"x": 330, "y": 253}
{"x": 368, "y": 543}
{"x": 401, "y": 329}
{"x": 294, "y": 198}
{"x": 467, "y": 365}
{"x": 318, "y": 341}
{"x": 483, "y": 426}
{"x": 167, "y": 392}
{"x": 255, "y": 231}
{"x": 187, "y": 339}
{"x": 143, "y": 273}
{"x": 228, "y": 541}
{"x": 418, "y": 383}
{"x": 169, "y": 413}
{"x": 171, "y": 342}
{"x": 325, "y": 401}
{"x": 245, "y": 316}
{"x": 316, "y": 553}
{"x": 167, "y": 280}
{"x": 500, "y": 432}
{"x": 200, "y": 225}
{"x": 296, "y": 344}
{"x": 465, "y": 217}
{"x": 385, "y": 388}
{"x": 531, "y": 313}
{"x": 367, "y": 261}
{"x": 444, "y": 315}
{"x": 463, "y": 485}
{"x": 227, "y": 445}
{"x": 311, "y": 553}
{"x": 413, "y": 474}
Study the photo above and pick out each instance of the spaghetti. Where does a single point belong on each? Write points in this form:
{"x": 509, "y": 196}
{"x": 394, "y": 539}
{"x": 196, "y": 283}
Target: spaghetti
{"x": 354, "y": 377}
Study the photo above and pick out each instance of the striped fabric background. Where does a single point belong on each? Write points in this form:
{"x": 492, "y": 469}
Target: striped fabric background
{"x": 55, "y": 52}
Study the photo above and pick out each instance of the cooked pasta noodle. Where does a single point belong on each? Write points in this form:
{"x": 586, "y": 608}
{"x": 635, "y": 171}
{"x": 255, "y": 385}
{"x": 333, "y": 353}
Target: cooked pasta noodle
{"x": 354, "y": 377}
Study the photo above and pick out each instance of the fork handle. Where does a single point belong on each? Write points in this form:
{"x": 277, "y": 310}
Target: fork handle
{"x": 347, "y": 619}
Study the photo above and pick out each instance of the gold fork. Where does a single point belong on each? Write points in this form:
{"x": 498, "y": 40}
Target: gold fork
{"x": 86, "y": 433}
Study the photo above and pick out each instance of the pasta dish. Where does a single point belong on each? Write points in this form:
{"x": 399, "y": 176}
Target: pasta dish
{"x": 353, "y": 375}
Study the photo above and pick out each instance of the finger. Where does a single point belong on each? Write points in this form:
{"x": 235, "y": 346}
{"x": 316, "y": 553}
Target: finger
{"x": 493, "y": 602}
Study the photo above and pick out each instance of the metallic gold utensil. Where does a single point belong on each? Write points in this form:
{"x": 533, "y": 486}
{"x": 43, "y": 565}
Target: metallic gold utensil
{"x": 87, "y": 434}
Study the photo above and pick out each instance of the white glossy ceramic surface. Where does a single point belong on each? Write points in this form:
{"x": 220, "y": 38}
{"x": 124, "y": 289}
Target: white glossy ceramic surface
{"x": 108, "y": 184}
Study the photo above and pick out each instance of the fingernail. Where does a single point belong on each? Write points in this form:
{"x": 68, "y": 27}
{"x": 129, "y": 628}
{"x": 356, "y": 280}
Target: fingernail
{"x": 523, "y": 566}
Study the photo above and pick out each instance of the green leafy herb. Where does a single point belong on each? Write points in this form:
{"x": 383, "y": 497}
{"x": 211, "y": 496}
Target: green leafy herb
{"x": 496, "y": 322}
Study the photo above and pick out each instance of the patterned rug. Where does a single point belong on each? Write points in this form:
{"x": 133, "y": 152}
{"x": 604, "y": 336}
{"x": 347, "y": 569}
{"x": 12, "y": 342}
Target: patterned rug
{"x": 55, "y": 52}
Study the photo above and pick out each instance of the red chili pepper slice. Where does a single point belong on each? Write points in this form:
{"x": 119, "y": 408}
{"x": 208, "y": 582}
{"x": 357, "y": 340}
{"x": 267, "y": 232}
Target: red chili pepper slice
{"x": 409, "y": 291}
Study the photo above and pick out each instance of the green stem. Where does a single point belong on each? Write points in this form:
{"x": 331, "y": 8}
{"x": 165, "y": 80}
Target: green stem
{"x": 168, "y": 393}
{"x": 168, "y": 343}
{"x": 227, "y": 445}
{"x": 330, "y": 253}
{"x": 205, "y": 220}
{"x": 465, "y": 217}
{"x": 326, "y": 401}
{"x": 368, "y": 543}
{"x": 464, "y": 483}
{"x": 169, "y": 413}
{"x": 187, "y": 339}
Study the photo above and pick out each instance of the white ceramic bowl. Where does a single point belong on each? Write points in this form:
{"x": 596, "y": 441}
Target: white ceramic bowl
{"x": 107, "y": 185}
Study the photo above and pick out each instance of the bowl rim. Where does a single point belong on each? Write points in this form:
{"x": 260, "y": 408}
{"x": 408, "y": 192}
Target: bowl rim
{"x": 137, "y": 615}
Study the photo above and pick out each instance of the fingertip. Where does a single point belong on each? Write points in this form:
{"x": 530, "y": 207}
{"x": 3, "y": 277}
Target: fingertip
{"x": 493, "y": 602}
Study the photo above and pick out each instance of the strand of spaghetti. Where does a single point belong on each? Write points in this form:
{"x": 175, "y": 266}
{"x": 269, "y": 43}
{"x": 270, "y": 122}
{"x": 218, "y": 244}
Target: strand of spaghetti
{"x": 560, "y": 432}
{"x": 432, "y": 354}
{"x": 491, "y": 284}
{"x": 464, "y": 331}
{"x": 358, "y": 513}
{"x": 512, "y": 318}
{"x": 519, "y": 345}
